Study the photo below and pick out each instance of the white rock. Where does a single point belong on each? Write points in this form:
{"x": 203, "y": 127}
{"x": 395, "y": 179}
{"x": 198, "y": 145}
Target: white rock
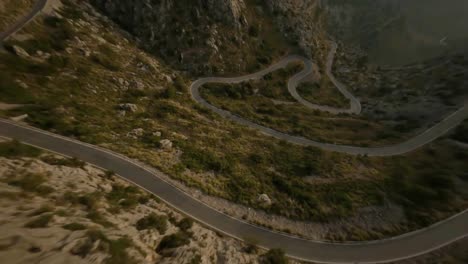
{"x": 129, "y": 107}
{"x": 20, "y": 52}
{"x": 264, "y": 199}
{"x": 22, "y": 84}
{"x": 19, "y": 118}
{"x": 166, "y": 144}
{"x": 137, "y": 132}
{"x": 137, "y": 85}
{"x": 168, "y": 78}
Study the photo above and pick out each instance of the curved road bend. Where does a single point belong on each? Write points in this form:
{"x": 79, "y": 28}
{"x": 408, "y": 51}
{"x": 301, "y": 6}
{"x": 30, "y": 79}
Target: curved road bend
{"x": 38, "y": 6}
{"x": 367, "y": 252}
{"x": 409, "y": 145}
{"x": 397, "y": 248}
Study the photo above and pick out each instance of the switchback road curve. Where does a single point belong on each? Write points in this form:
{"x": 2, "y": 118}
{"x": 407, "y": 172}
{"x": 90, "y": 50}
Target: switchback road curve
{"x": 409, "y": 145}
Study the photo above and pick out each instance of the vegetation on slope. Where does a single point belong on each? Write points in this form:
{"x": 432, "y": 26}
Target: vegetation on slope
{"x": 81, "y": 96}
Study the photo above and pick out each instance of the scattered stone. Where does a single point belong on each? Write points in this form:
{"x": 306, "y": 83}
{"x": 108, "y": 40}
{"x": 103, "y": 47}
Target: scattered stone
{"x": 129, "y": 107}
{"x": 168, "y": 78}
{"x": 264, "y": 199}
{"x": 137, "y": 132}
{"x": 137, "y": 85}
{"x": 20, "y": 52}
{"x": 20, "y": 118}
{"x": 22, "y": 84}
{"x": 157, "y": 134}
{"x": 166, "y": 144}
{"x": 85, "y": 52}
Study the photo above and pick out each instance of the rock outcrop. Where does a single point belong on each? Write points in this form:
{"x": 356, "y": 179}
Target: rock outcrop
{"x": 128, "y": 107}
{"x": 179, "y": 30}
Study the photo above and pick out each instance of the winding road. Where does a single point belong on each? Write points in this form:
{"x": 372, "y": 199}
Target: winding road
{"x": 37, "y": 8}
{"x": 429, "y": 135}
{"x": 381, "y": 251}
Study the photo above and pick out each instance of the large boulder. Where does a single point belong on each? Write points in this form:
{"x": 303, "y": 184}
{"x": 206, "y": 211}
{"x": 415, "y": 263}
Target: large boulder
{"x": 20, "y": 51}
{"x": 166, "y": 144}
{"x": 128, "y": 107}
{"x": 153, "y": 23}
{"x": 264, "y": 200}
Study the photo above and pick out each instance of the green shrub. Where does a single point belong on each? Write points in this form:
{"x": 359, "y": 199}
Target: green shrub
{"x": 185, "y": 224}
{"x": 118, "y": 252}
{"x": 170, "y": 92}
{"x": 53, "y": 21}
{"x": 58, "y": 62}
{"x": 12, "y": 65}
{"x": 90, "y": 200}
{"x": 105, "y": 62}
{"x": 251, "y": 246}
{"x": 109, "y": 174}
{"x": 158, "y": 222}
{"x": 98, "y": 218}
{"x": 11, "y": 91}
{"x": 204, "y": 160}
{"x": 461, "y": 133}
{"x": 32, "y": 183}
{"x": 124, "y": 197}
{"x": 274, "y": 256}
{"x": 87, "y": 246}
{"x": 14, "y": 149}
{"x": 179, "y": 83}
{"x": 41, "y": 210}
{"x": 40, "y": 222}
{"x": 117, "y": 249}
{"x": 253, "y": 31}
{"x": 173, "y": 241}
{"x": 74, "y": 226}
{"x": 196, "y": 259}
{"x": 68, "y": 162}
{"x": 55, "y": 40}
{"x": 71, "y": 10}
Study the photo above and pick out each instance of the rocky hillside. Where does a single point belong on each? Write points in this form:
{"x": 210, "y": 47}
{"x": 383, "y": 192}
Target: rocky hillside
{"x": 59, "y": 210}
{"x": 11, "y": 10}
{"x": 200, "y": 36}
{"x": 303, "y": 22}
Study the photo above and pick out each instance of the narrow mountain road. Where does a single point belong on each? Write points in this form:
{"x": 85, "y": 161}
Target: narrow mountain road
{"x": 38, "y": 6}
{"x": 409, "y": 145}
{"x": 381, "y": 251}
{"x": 392, "y": 249}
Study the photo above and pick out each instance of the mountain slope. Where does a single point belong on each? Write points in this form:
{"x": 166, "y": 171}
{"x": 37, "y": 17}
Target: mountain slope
{"x": 201, "y": 36}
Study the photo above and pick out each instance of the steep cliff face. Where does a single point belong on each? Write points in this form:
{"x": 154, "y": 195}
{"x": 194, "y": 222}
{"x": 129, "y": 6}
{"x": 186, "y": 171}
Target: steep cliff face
{"x": 200, "y": 36}
{"x": 162, "y": 12}
{"x": 303, "y": 22}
